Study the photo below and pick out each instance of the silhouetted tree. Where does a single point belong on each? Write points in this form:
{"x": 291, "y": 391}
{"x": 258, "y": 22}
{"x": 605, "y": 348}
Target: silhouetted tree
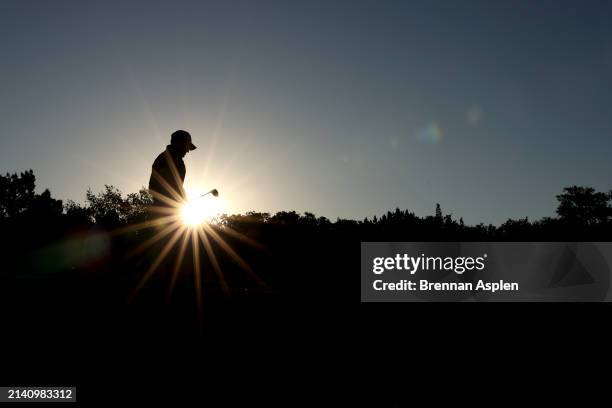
{"x": 110, "y": 208}
{"x": 78, "y": 213}
{"x": 137, "y": 205}
{"x": 583, "y": 205}
{"x": 285, "y": 217}
{"x": 308, "y": 219}
{"x": 45, "y": 206}
{"x": 18, "y": 197}
{"x": 323, "y": 221}
{"x": 515, "y": 228}
{"x": 438, "y": 215}
{"x": 346, "y": 222}
{"x": 16, "y": 193}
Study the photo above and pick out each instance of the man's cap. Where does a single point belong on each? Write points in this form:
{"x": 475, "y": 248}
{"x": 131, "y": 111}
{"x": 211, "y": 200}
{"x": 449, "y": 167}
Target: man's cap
{"x": 181, "y": 136}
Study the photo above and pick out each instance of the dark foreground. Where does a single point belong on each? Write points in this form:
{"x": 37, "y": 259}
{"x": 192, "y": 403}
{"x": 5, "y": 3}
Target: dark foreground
{"x": 300, "y": 335}
{"x": 287, "y": 327}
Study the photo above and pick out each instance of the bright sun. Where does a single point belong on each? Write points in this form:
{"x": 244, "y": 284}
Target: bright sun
{"x": 199, "y": 210}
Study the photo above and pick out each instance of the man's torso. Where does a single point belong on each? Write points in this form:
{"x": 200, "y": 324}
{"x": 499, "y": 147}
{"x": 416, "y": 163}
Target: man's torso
{"x": 167, "y": 176}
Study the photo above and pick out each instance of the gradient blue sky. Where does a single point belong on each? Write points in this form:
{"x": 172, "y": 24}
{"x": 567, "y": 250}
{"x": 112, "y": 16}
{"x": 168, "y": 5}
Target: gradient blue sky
{"x": 341, "y": 108}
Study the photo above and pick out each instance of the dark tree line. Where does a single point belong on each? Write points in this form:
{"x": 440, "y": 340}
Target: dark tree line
{"x": 582, "y": 214}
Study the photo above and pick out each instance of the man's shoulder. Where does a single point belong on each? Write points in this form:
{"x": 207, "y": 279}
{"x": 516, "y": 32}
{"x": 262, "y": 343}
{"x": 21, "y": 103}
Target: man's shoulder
{"x": 165, "y": 158}
{"x": 161, "y": 160}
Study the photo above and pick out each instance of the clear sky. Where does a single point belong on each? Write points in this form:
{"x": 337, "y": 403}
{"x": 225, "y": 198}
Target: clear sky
{"x": 340, "y": 108}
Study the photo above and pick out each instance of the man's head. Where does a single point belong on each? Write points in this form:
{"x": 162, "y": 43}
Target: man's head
{"x": 181, "y": 141}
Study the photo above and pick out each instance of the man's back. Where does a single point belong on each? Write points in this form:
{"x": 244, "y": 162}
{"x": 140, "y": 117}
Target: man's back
{"x": 167, "y": 176}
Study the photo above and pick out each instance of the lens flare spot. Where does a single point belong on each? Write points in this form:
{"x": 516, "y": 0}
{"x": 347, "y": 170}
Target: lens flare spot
{"x": 474, "y": 115}
{"x": 432, "y": 133}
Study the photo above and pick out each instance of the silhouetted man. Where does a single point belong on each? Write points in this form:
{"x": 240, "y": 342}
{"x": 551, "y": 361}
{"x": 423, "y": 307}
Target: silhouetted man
{"x": 168, "y": 173}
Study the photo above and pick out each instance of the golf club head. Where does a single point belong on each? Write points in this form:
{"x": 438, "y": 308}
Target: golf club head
{"x": 214, "y": 192}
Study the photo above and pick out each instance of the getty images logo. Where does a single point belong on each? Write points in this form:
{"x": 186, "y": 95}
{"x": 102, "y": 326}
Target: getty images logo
{"x": 412, "y": 264}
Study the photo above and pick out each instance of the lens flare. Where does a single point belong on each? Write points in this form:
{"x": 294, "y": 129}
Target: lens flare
{"x": 474, "y": 115}
{"x": 431, "y": 133}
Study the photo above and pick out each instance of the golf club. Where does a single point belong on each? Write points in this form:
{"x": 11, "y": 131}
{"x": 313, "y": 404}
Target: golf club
{"x": 214, "y": 192}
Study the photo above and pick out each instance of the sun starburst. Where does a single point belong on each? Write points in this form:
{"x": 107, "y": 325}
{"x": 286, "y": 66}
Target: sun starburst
{"x": 176, "y": 224}
{"x": 197, "y": 210}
